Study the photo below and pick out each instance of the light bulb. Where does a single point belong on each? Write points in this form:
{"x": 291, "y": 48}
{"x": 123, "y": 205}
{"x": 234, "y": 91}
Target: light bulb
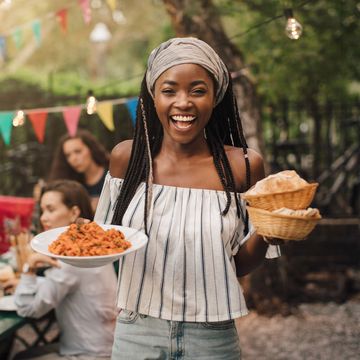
{"x": 91, "y": 105}
{"x": 293, "y": 28}
{"x": 19, "y": 119}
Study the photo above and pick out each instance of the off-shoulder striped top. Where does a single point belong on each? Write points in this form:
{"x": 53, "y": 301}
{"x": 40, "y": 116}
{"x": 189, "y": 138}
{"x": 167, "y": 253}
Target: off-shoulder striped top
{"x": 186, "y": 272}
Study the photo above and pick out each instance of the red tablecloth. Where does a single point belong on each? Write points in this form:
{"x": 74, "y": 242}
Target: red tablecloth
{"x": 12, "y": 207}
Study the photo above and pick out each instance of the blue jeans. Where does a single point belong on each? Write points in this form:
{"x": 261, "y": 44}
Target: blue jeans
{"x": 141, "y": 337}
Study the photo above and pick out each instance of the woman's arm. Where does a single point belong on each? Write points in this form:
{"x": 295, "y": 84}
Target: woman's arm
{"x": 252, "y": 253}
{"x": 36, "y": 296}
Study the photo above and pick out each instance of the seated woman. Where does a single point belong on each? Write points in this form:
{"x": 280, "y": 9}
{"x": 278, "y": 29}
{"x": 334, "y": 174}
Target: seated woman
{"x": 82, "y": 158}
{"x": 83, "y": 299}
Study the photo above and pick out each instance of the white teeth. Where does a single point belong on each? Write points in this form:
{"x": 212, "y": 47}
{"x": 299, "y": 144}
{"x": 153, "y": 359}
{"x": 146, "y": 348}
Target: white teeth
{"x": 183, "y": 125}
{"x": 183, "y": 117}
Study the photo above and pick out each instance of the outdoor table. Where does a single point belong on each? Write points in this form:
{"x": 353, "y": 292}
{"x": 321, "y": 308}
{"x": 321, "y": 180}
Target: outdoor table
{"x": 10, "y": 322}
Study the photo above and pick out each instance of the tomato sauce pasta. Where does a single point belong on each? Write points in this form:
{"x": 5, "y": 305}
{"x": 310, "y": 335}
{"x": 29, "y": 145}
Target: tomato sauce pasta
{"x": 89, "y": 240}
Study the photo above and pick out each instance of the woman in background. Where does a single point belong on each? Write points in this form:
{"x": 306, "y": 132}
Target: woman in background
{"x": 81, "y": 158}
{"x": 83, "y": 299}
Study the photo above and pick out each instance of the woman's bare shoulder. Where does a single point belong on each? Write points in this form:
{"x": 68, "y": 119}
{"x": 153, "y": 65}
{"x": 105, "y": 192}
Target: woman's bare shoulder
{"x": 119, "y": 159}
{"x": 237, "y": 162}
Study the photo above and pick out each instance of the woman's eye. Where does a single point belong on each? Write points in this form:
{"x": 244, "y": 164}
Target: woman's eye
{"x": 168, "y": 91}
{"x": 199, "y": 91}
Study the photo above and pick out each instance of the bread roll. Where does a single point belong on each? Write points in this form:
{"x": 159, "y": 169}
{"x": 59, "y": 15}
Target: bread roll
{"x": 309, "y": 212}
{"x": 6, "y": 273}
{"x": 287, "y": 180}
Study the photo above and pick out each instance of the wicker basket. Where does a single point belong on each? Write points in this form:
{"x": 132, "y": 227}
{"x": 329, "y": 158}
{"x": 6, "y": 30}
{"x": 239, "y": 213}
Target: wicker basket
{"x": 281, "y": 226}
{"x": 295, "y": 199}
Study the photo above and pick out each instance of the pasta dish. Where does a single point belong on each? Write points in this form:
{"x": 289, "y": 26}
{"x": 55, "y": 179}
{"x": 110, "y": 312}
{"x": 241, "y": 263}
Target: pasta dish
{"x": 89, "y": 240}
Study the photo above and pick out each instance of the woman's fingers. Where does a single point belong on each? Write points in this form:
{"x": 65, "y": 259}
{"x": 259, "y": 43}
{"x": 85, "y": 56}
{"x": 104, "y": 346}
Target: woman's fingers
{"x": 80, "y": 221}
{"x": 274, "y": 241}
{"x": 38, "y": 260}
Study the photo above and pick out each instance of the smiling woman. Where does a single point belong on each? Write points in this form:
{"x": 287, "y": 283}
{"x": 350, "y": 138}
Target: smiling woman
{"x": 179, "y": 181}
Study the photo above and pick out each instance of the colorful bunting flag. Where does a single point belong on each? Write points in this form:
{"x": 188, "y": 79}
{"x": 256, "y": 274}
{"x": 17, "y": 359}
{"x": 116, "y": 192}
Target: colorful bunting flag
{"x": 71, "y": 117}
{"x": 3, "y": 48}
{"x": 6, "y": 119}
{"x": 38, "y": 121}
{"x": 62, "y": 18}
{"x": 86, "y": 10}
{"x": 17, "y": 37}
{"x": 105, "y": 111}
{"x": 36, "y": 29}
{"x": 131, "y": 106}
{"x": 112, "y": 4}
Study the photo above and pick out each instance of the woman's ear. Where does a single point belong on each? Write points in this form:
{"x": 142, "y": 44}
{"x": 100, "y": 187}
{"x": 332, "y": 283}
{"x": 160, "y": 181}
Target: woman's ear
{"x": 75, "y": 213}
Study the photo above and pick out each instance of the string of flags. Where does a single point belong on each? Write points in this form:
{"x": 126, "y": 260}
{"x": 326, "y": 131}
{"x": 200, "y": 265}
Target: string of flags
{"x": 61, "y": 16}
{"x": 71, "y": 115}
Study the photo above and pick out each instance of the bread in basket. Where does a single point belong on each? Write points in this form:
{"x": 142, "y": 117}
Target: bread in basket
{"x": 286, "y": 224}
{"x": 284, "y": 189}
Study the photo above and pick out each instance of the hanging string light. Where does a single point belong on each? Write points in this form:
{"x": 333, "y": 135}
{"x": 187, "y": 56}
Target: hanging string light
{"x": 91, "y": 103}
{"x": 19, "y": 119}
{"x": 293, "y": 28}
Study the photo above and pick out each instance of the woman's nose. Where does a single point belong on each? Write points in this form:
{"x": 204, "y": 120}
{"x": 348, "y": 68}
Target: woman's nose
{"x": 183, "y": 101}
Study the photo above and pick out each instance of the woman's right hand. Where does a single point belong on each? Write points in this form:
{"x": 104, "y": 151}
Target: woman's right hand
{"x": 81, "y": 221}
{"x": 39, "y": 260}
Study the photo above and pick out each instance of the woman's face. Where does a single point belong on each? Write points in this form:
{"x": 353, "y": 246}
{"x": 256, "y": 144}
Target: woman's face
{"x": 77, "y": 154}
{"x": 54, "y": 213}
{"x": 184, "y": 99}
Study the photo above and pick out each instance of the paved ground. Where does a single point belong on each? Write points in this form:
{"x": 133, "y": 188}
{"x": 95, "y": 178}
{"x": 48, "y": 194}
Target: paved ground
{"x": 315, "y": 332}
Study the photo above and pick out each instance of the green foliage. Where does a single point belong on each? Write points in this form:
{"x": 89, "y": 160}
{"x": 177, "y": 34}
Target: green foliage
{"x": 323, "y": 63}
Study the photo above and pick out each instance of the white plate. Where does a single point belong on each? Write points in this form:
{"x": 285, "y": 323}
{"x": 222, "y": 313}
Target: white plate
{"x": 7, "y": 303}
{"x": 41, "y": 242}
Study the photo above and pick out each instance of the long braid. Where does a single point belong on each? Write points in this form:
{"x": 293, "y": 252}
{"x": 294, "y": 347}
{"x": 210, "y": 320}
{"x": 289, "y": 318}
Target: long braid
{"x": 232, "y": 134}
{"x": 149, "y": 167}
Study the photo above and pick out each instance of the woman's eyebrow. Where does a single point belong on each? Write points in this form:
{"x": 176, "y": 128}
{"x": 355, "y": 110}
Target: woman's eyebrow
{"x": 193, "y": 83}
{"x": 198, "y": 82}
{"x": 169, "y": 82}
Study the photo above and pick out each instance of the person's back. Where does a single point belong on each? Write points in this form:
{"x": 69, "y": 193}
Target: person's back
{"x": 86, "y": 316}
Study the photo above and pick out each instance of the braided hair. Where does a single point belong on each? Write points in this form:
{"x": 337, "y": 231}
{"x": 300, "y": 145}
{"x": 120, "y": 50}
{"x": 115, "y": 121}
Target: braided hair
{"x": 223, "y": 128}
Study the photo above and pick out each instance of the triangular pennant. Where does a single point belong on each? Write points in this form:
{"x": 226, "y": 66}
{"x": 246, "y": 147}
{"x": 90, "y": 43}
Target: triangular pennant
{"x": 36, "y": 29}
{"x": 38, "y": 121}
{"x": 71, "y": 117}
{"x": 86, "y": 10}
{"x": 17, "y": 37}
{"x": 3, "y": 48}
{"x": 62, "y": 18}
{"x": 112, "y": 4}
{"x": 105, "y": 111}
{"x": 131, "y": 106}
{"x": 6, "y": 119}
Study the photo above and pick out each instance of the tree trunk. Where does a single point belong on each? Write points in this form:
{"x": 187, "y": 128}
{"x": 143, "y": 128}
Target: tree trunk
{"x": 201, "y": 19}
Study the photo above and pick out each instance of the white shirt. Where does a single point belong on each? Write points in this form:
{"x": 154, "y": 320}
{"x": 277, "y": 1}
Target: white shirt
{"x": 186, "y": 272}
{"x": 84, "y": 301}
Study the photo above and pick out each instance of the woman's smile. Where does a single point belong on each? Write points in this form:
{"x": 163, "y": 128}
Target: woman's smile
{"x": 183, "y": 122}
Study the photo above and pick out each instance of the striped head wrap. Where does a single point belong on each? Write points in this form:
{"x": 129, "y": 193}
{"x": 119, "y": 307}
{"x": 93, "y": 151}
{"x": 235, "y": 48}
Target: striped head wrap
{"x": 187, "y": 50}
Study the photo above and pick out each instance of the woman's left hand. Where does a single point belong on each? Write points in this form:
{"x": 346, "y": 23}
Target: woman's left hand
{"x": 274, "y": 241}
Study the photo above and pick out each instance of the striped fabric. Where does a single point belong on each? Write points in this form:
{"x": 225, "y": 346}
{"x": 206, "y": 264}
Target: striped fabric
{"x": 187, "y": 271}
